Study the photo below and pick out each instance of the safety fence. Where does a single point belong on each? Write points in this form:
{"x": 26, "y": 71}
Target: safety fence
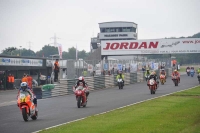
{"x": 97, "y": 82}
{"x": 89, "y": 68}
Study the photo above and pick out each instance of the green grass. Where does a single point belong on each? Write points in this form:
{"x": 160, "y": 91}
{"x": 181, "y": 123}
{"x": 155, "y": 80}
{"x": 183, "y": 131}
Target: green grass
{"x": 176, "y": 113}
{"x": 182, "y": 69}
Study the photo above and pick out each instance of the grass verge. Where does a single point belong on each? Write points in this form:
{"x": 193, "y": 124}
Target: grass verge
{"x": 176, "y": 113}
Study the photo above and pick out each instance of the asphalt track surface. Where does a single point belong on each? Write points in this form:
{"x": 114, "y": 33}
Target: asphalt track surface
{"x": 57, "y": 110}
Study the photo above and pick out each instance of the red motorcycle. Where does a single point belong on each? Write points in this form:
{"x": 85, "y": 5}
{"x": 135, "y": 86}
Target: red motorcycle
{"x": 80, "y": 96}
{"x": 152, "y": 86}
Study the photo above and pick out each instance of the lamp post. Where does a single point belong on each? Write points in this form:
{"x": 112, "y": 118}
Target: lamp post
{"x": 20, "y": 50}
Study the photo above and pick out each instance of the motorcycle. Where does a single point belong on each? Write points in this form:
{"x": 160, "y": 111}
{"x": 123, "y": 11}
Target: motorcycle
{"x": 162, "y": 79}
{"x": 152, "y": 86}
{"x": 147, "y": 77}
{"x": 198, "y": 77}
{"x": 175, "y": 80}
{"x": 188, "y": 72}
{"x": 80, "y": 96}
{"x": 120, "y": 83}
{"x": 26, "y": 106}
{"x": 192, "y": 72}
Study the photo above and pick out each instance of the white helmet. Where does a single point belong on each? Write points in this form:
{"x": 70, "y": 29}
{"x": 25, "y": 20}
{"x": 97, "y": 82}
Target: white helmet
{"x": 23, "y": 85}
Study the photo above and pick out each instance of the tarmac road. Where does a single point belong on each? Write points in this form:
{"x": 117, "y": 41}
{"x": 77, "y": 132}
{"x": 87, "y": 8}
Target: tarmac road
{"x": 57, "y": 110}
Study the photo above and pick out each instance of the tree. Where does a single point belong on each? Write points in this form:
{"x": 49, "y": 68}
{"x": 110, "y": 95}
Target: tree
{"x": 46, "y": 51}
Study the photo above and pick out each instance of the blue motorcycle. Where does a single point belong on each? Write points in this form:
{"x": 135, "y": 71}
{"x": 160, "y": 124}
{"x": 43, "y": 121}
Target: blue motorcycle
{"x": 192, "y": 72}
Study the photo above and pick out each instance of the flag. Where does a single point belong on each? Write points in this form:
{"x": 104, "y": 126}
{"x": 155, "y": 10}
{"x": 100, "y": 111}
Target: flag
{"x": 76, "y": 53}
{"x": 60, "y": 50}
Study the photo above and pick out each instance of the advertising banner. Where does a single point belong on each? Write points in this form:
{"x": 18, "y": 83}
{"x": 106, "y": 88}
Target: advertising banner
{"x": 153, "y": 46}
{"x": 119, "y": 67}
{"x": 105, "y": 66}
{"x": 155, "y": 66}
{"x": 133, "y": 67}
{"x": 90, "y": 67}
{"x": 20, "y": 62}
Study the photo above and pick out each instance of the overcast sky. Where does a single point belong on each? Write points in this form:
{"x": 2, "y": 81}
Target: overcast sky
{"x": 76, "y": 21}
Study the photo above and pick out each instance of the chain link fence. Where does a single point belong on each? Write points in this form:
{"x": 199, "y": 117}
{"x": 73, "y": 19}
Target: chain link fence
{"x": 89, "y": 68}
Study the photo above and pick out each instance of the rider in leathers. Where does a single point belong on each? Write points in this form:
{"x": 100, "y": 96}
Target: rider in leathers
{"x": 154, "y": 76}
{"x": 163, "y": 73}
{"x": 24, "y": 87}
{"x": 81, "y": 79}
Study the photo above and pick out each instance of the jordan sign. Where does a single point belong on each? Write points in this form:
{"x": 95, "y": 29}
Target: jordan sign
{"x": 158, "y": 46}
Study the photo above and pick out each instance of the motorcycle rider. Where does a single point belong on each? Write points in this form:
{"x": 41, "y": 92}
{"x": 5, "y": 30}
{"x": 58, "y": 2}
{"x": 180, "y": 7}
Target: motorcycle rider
{"x": 154, "y": 76}
{"x": 81, "y": 80}
{"x": 187, "y": 68}
{"x": 120, "y": 75}
{"x": 24, "y": 87}
{"x": 147, "y": 73}
{"x": 198, "y": 71}
{"x": 176, "y": 73}
{"x": 162, "y": 72}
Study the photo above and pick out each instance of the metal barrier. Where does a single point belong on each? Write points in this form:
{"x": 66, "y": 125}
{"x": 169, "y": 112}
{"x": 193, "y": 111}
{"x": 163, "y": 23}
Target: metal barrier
{"x": 95, "y": 83}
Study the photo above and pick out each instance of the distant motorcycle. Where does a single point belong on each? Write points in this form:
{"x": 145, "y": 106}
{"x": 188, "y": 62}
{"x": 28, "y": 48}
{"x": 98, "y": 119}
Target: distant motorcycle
{"x": 162, "y": 79}
{"x": 175, "y": 80}
{"x": 198, "y": 77}
{"x": 192, "y": 72}
{"x": 188, "y": 72}
{"x": 26, "y": 106}
{"x": 120, "y": 83}
{"x": 152, "y": 86}
{"x": 80, "y": 96}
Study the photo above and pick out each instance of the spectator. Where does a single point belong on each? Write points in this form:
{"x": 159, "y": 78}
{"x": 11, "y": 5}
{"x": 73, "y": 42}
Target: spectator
{"x": 93, "y": 74}
{"x": 24, "y": 78}
{"x": 9, "y": 81}
{"x": 56, "y": 70}
{"x": 29, "y": 80}
{"x": 12, "y": 81}
{"x": 143, "y": 69}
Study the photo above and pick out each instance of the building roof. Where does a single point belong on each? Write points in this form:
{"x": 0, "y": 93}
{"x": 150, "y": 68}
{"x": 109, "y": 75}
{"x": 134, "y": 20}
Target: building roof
{"x": 117, "y": 22}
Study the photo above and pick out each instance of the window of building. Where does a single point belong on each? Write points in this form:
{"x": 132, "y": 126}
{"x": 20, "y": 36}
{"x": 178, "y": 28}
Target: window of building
{"x": 112, "y": 30}
{"x": 107, "y": 30}
{"x": 133, "y": 29}
{"x": 123, "y": 29}
{"x": 120, "y": 29}
{"x": 102, "y": 30}
{"x": 128, "y": 29}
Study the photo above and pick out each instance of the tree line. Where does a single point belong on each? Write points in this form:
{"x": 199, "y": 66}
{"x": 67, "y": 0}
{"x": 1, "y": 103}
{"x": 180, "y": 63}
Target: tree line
{"x": 46, "y": 51}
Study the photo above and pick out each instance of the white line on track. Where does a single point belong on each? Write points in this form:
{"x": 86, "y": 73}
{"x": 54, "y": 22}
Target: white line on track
{"x": 113, "y": 109}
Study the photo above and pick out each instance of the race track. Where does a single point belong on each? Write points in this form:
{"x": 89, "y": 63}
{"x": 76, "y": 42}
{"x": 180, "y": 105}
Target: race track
{"x": 57, "y": 110}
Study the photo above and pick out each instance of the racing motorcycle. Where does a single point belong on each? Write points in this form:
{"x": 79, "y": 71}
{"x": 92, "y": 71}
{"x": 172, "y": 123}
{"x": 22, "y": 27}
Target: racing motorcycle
{"x": 147, "y": 77}
{"x": 120, "y": 83}
{"x": 152, "y": 86}
{"x": 198, "y": 77}
{"x": 80, "y": 96}
{"x": 188, "y": 72}
{"x": 175, "y": 80}
{"x": 192, "y": 72}
{"x": 162, "y": 79}
{"x": 26, "y": 106}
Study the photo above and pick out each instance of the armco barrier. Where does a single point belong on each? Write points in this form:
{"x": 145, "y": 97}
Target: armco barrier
{"x": 133, "y": 78}
{"x": 99, "y": 82}
{"x": 94, "y": 83}
{"x": 90, "y": 82}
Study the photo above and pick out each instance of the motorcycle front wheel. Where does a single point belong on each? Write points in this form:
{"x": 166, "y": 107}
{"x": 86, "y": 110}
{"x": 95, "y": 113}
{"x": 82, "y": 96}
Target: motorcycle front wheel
{"x": 24, "y": 114}
{"x": 79, "y": 102}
